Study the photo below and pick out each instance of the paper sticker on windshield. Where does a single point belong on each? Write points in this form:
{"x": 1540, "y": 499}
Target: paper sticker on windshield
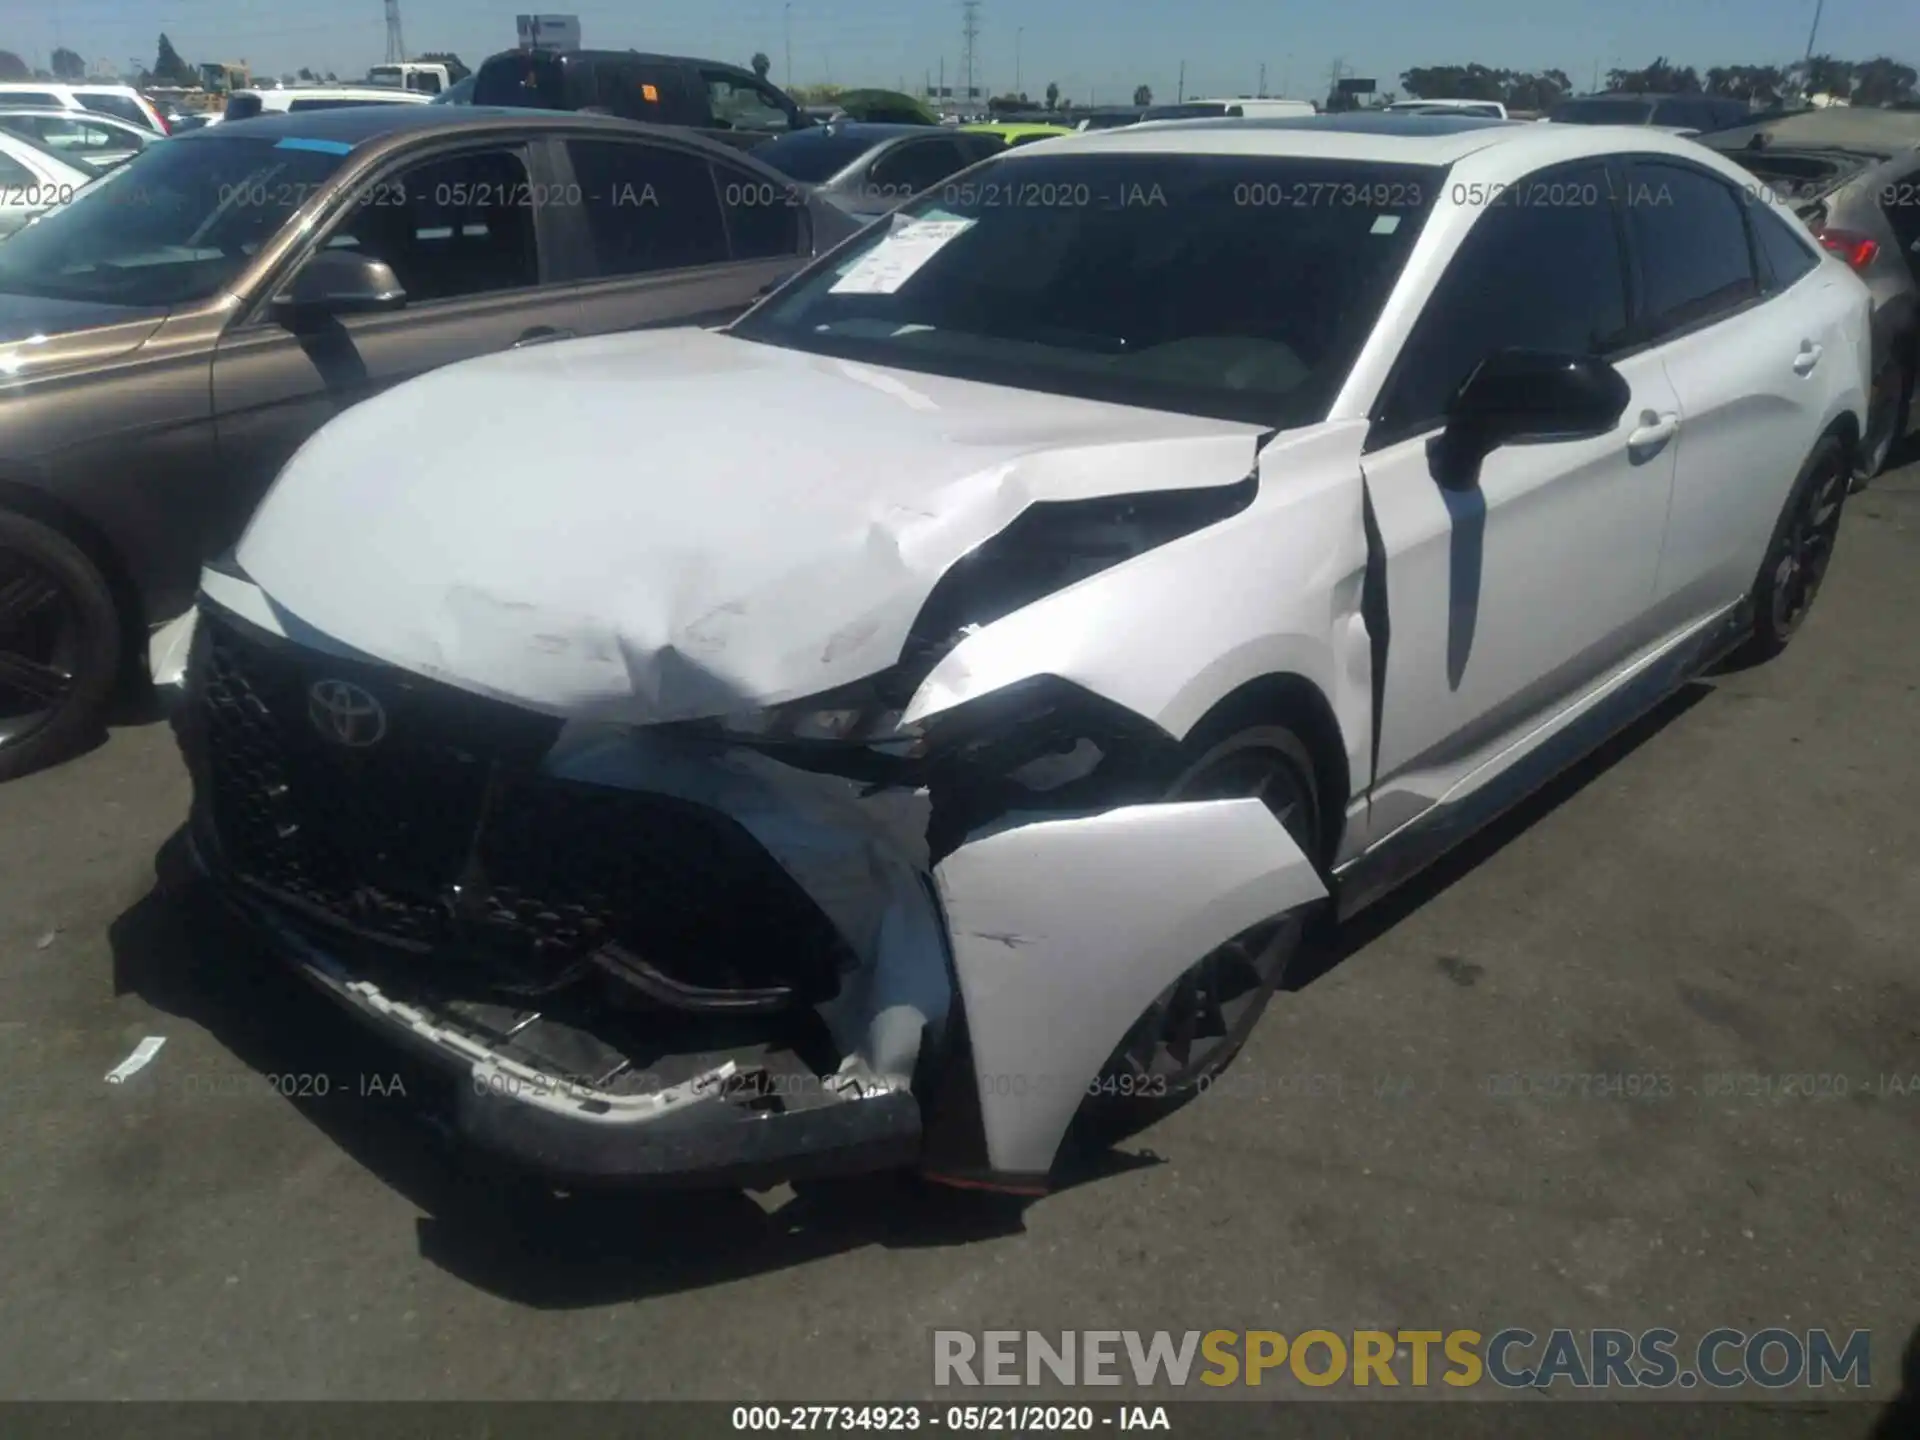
{"x": 1385, "y": 224}
{"x": 894, "y": 261}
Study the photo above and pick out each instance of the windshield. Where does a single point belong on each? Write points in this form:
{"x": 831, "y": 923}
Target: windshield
{"x": 812, "y": 156}
{"x": 1229, "y": 286}
{"x": 176, "y": 223}
{"x": 1602, "y": 112}
{"x": 458, "y": 93}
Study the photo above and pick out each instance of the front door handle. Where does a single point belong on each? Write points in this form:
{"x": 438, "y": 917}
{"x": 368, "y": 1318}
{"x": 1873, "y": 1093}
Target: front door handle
{"x": 1650, "y": 437}
{"x": 1808, "y": 357}
{"x": 541, "y": 335}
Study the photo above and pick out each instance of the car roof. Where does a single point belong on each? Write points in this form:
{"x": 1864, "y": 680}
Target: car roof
{"x": 340, "y": 90}
{"x": 1404, "y": 139}
{"x": 357, "y": 125}
{"x": 645, "y": 57}
{"x": 871, "y": 130}
{"x": 62, "y": 112}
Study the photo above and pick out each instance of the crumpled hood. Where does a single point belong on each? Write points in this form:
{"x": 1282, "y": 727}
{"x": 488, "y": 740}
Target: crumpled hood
{"x": 676, "y": 524}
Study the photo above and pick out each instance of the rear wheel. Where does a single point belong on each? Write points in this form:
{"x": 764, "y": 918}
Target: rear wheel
{"x": 1800, "y": 550}
{"x": 1194, "y": 1028}
{"x": 59, "y": 644}
{"x": 1886, "y": 419}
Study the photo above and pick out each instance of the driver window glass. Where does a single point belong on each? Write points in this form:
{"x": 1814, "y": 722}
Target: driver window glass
{"x": 1544, "y": 275}
{"x": 450, "y": 228}
{"x": 739, "y": 104}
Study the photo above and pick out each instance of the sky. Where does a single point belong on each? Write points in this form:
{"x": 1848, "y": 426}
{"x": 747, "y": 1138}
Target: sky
{"x": 1096, "y": 50}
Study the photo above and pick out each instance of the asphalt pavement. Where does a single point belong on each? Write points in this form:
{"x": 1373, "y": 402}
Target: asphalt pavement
{"x": 1725, "y": 903}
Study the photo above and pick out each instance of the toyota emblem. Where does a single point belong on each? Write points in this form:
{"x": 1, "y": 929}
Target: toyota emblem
{"x": 346, "y": 714}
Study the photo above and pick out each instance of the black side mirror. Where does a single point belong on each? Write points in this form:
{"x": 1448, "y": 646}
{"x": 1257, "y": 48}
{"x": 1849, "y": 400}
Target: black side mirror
{"x": 1528, "y": 395}
{"x": 338, "y": 282}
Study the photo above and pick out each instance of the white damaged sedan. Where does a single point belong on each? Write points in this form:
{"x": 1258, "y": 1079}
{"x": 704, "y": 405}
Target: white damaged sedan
{"x": 937, "y": 707}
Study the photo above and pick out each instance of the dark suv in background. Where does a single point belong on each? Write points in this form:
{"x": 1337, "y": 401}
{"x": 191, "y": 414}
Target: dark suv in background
{"x": 723, "y": 102}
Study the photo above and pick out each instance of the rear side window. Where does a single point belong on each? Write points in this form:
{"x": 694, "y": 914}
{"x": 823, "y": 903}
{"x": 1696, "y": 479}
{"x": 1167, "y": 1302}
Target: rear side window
{"x": 648, "y": 207}
{"x": 640, "y": 91}
{"x": 1695, "y": 263}
{"x": 120, "y": 106}
{"x": 15, "y": 176}
{"x": 1541, "y": 276}
{"x": 1787, "y": 256}
{"x": 30, "y": 97}
{"x": 1689, "y": 114}
{"x": 763, "y": 215}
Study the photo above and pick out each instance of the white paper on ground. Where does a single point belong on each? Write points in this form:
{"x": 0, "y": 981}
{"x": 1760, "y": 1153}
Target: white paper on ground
{"x": 137, "y": 1061}
{"x": 891, "y": 263}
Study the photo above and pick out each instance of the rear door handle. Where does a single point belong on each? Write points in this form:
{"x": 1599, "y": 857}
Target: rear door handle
{"x": 541, "y": 335}
{"x": 1652, "y": 434}
{"x": 1808, "y": 357}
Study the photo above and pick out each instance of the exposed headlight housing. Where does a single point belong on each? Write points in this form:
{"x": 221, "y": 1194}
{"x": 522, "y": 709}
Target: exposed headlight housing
{"x": 1049, "y": 546}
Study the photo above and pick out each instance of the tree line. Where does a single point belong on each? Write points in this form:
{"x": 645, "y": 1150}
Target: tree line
{"x": 169, "y": 69}
{"x": 1879, "y": 81}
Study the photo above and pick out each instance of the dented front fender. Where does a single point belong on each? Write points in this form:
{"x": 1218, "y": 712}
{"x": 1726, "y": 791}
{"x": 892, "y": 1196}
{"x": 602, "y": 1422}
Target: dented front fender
{"x": 1064, "y": 930}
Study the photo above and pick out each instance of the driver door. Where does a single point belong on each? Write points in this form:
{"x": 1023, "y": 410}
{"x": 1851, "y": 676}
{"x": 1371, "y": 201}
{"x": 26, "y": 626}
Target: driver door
{"x": 1506, "y": 599}
{"x": 470, "y": 253}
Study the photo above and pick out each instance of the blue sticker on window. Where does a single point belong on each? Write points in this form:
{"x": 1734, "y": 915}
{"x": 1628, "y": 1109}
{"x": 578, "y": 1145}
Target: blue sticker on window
{"x": 324, "y": 147}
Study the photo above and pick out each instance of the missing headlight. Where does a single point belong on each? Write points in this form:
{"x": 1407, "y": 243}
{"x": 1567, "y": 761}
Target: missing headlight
{"x": 1049, "y": 546}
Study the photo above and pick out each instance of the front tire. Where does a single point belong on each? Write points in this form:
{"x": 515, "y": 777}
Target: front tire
{"x": 59, "y": 644}
{"x": 1196, "y": 1026}
{"x": 1800, "y": 551}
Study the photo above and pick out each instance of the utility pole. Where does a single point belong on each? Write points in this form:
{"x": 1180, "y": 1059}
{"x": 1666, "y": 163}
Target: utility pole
{"x": 396, "y": 46}
{"x": 1818, "y": 7}
{"x": 787, "y": 21}
{"x": 1181, "y": 93}
{"x": 970, "y": 37}
{"x": 1020, "y": 31}
{"x": 1262, "y": 91}
{"x": 1596, "y": 79}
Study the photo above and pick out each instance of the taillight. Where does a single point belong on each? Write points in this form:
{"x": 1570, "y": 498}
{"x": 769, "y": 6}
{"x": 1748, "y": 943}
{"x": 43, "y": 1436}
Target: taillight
{"x": 1851, "y": 246}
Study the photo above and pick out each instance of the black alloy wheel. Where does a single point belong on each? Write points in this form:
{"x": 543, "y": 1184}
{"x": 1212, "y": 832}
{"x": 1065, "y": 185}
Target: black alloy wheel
{"x": 59, "y": 644}
{"x": 1805, "y": 549}
{"x": 1194, "y": 1028}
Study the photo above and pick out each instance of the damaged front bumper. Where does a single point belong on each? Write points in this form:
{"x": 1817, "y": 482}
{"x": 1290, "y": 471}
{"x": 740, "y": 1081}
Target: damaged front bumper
{"x": 642, "y": 961}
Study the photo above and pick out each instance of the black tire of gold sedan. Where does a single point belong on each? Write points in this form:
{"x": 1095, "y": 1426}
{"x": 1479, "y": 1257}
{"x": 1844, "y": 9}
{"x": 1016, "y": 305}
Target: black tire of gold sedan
{"x": 1800, "y": 550}
{"x": 59, "y": 644}
{"x": 1198, "y": 1024}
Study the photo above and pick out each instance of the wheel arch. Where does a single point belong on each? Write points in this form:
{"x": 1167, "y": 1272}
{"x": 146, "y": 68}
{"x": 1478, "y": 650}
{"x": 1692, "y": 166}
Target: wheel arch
{"x": 47, "y": 509}
{"x": 1295, "y": 702}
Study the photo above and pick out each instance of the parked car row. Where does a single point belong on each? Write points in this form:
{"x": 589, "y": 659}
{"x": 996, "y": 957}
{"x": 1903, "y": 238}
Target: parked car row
{"x": 1853, "y": 175}
{"x": 180, "y": 328}
{"x": 926, "y": 706}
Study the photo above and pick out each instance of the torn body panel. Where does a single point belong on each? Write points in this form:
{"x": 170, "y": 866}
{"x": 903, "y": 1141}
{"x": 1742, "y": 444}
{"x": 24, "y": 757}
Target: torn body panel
{"x": 1064, "y": 930}
{"x": 1209, "y": 612}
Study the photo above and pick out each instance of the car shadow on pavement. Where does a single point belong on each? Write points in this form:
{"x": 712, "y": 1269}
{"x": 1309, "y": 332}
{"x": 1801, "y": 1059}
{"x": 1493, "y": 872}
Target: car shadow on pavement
{"x": 501, "y": 1232}
{"x": 1330, "y": 950}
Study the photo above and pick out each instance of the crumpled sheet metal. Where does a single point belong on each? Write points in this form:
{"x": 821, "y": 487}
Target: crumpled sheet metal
{"x": 652, "y": 528}
{"x": 1064, "y": 930}
{"x": 862, "y": 860}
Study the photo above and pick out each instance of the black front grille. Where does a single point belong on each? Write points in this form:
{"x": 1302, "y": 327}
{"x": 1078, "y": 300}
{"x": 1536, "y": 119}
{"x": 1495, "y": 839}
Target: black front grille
{"x": 443, "y": 838}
